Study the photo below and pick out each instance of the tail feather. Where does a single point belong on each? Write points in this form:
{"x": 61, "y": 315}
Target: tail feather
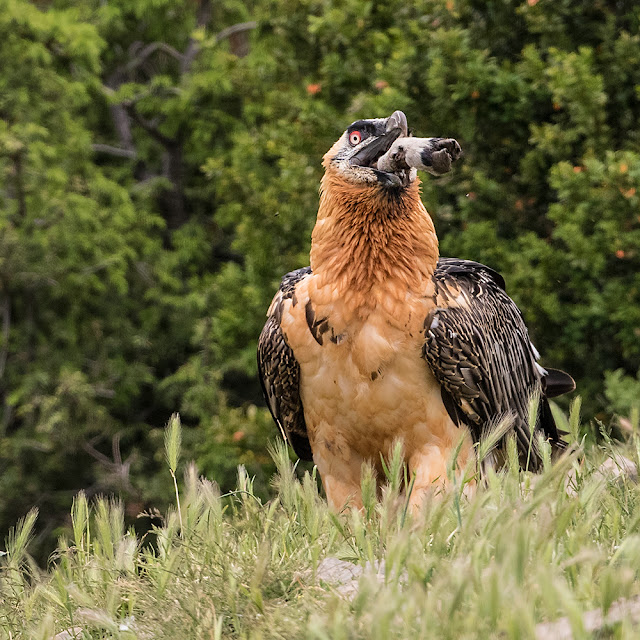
{"x": 557, "y": 382}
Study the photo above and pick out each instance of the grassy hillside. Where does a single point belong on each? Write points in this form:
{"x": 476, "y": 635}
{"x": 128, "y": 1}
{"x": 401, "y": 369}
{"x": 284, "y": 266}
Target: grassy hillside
{"x": 524, "y": 551}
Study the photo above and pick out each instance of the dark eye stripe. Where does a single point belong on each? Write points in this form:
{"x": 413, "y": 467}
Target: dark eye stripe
{"x": 367, "y": 128}
{"x": 364, "y": 127}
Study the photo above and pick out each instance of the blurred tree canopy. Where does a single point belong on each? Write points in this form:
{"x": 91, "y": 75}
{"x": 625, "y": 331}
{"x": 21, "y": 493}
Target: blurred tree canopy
{"x": 159, "y": 169}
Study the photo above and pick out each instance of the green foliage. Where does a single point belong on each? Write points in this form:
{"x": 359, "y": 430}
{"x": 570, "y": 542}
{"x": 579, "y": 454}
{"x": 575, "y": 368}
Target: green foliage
{"x": 159, "y": 174}
{"x": 622, "y": 392}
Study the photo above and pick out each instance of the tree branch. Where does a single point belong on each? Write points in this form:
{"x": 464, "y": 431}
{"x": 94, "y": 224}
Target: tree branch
{"x": 193, "y": 48}
{"x": 203, "y": 17}
{"x": 121, "y": 122}
{"x": 123, "y": 126}
{"x": 149, "y": 127}
{"x": 236, "y": 28}
{"x": 114, "y": 151}
{"x": 148, "y": 51}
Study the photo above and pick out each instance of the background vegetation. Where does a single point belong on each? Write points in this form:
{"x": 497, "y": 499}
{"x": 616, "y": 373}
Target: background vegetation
{"x": 159, "y": 166}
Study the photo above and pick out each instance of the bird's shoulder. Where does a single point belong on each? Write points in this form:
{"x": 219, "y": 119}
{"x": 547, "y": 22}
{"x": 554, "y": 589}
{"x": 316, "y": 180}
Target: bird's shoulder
{"x": 287, "y": 291}
{"x": 454, "y": 276}
{"x": 478, "y": 346}
{"x": 472, "y": 305}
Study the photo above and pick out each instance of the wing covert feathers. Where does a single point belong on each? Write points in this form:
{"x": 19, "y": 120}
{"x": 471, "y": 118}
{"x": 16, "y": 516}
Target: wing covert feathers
{"x": 478, "y": 348}
{"x": 279, "y": 371}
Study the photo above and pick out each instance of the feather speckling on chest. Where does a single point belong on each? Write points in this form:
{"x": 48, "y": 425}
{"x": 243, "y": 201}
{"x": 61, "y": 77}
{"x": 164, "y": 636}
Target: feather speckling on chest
{"x": 330, "y": 334}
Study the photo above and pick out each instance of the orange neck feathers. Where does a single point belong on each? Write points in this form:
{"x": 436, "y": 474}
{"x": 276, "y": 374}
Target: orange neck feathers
{"x": 368, "y": 239}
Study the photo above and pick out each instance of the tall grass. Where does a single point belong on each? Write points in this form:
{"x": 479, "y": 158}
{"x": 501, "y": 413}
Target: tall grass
{"x": 521, "y": 551}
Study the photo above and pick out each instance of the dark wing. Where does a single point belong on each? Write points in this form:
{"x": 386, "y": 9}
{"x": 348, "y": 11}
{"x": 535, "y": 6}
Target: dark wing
{"x": 478, "y": 348}
{"x": 279, "y": 371}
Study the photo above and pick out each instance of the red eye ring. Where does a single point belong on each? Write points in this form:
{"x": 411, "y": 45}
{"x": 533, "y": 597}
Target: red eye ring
{"x": 355, "y": 137}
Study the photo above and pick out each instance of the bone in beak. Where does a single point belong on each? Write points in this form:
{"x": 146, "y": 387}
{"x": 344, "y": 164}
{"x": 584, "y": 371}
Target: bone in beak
{"x": 434, "y": 155}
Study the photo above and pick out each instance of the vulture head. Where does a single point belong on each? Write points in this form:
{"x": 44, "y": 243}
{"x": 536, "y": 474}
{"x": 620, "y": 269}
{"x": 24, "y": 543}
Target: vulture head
{"x": 380, "y": 151}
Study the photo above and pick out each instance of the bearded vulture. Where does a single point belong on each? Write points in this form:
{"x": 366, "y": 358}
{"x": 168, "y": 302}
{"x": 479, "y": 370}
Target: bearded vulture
{"x": 380, "y": 339}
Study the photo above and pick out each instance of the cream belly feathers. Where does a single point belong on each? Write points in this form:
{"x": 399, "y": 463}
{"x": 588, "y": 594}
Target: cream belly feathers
{"x": 367, "y": 391}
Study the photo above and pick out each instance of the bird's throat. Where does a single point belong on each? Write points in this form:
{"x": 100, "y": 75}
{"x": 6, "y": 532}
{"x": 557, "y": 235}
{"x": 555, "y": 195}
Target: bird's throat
{"x": 370, "y": 241}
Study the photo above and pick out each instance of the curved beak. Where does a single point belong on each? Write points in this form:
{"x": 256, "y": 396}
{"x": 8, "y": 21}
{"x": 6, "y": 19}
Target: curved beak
{"x": 397, "y": 120}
